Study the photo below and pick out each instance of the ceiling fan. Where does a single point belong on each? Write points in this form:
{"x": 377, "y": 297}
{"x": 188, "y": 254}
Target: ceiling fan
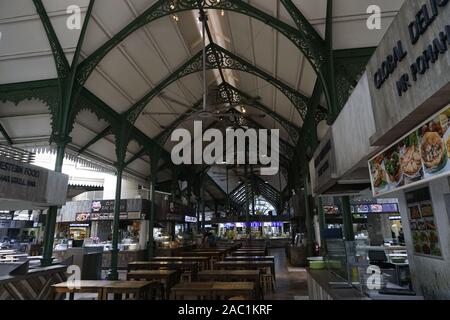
{"x": 221, "y": 109}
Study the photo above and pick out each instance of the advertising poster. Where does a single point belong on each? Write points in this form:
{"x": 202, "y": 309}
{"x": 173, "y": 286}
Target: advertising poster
{"x": 421, "y": 155}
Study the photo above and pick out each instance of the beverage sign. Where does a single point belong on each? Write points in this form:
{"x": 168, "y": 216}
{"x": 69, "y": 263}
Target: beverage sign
{"x": 82, "y": 217}
{"x": 421, "y": 155}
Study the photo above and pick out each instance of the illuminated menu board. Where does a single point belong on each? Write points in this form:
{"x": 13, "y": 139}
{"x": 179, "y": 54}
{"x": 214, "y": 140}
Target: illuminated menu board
{"x": 421, "y": 155}
{"x": 375, "y": 208}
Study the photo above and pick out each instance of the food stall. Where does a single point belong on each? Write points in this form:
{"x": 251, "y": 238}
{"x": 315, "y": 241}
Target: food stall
{"x": 259, "y": 230}
{"x": 89, "y": 224}
{"x": 412, "y": 130}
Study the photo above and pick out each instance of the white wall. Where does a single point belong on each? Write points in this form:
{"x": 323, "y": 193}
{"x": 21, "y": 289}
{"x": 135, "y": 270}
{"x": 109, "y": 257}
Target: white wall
{"x": 129, "y": 188}
{"x": 353, "y": 128}
{"x": 431, "y": 277}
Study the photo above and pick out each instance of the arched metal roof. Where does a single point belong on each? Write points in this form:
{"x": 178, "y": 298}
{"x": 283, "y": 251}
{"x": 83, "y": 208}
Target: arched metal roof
{"x": 139, "y": 60}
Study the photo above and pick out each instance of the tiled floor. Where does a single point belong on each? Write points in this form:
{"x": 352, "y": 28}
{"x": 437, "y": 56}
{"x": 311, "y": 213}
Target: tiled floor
{"x": 291, "y": 281}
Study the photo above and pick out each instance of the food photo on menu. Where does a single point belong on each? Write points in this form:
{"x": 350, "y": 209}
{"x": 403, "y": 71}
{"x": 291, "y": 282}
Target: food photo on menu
{"x": 434, "y": 137}
{"x": 379, "y": 178}
{"x": 410, "y": 158}
{"x": 392, "y": 166}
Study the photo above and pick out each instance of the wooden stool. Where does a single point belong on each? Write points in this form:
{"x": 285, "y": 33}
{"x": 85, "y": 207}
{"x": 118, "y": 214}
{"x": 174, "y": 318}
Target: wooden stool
{"x": 267, "y": 281}
{"x": 186, "y": 276}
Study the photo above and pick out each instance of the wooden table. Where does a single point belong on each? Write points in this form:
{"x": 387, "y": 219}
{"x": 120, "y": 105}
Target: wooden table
{"x": 168, "y": 277}
{"x": 233, "y": 275}
{"x": 222, "y": 250}
{"x": 244, "y": 265}
{"x": 171, "y": 265}
{"x": 213, "y": 255}
{"x": 103, "y": 287}
{"x": 212, "y": 290}
{"x": 203, "y": 262}
{"x": 139, "y": 289}
{"x": 85, "y": 286}
{"x": 250, "y": 258}
{"x": 249, "y": 253}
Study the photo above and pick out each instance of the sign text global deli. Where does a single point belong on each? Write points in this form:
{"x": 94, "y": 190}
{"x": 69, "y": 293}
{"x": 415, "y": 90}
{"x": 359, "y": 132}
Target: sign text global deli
{"x": 423, "y": 19}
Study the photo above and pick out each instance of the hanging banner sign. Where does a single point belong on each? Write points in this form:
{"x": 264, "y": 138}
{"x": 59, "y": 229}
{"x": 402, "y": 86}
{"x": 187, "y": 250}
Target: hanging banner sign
{"x": 421, "y": 155}
{"x": 31, "y": 185}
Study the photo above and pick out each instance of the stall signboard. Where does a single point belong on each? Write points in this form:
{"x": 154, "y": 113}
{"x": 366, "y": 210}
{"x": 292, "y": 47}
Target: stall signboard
{"x": 375, "y": 208}
{"x": 409, "y": 72}
{"x": 134, "y": 216}
{"x": 190, "y": 219}
{"x": 79, "y": 225}
{"x": 110, "y": 216}
{"x": 99, "y": 216}
{"x": 107, "y": 206}
{"x": 22, "y": 181}
{"x": 421, "y": 155}
{"x": 331, "y": 209}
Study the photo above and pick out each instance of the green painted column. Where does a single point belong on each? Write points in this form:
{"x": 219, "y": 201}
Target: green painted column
{"x": 203, "y": 207}
{"x": 50, "y": 219}
{"x": 151, "y": 240}
{"x": 322, "y": 224}
{"x": 308, "y": 218}
{"x": 347, "y": 218}
{"x": 113, "y": 275}
{"x": 197, "y": 210}
{"x": 330, "y": 73}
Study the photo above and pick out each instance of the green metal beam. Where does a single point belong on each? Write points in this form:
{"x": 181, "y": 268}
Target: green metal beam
{"x": 45, "y": 91}
{"x": 140, "y": 153}
{"x": 301, "y": 22}
{"x": 211, "y": 180}
{"x": 58, "y": 116}
{"x": 329, "y": 74}
{"x": 312, "y": 48}
{"x": 91, "y": 102}
{"x": 25, "y": 89}
{"x": 236, "y": 96}
{"x": 239, "y": 97}
{"x": 61, "y": 63}
{"x": 227, "y": 60}
{"x": 349, "y": 66}
{"x": 164, "y": 135}
{"x": 107, "y": 131}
